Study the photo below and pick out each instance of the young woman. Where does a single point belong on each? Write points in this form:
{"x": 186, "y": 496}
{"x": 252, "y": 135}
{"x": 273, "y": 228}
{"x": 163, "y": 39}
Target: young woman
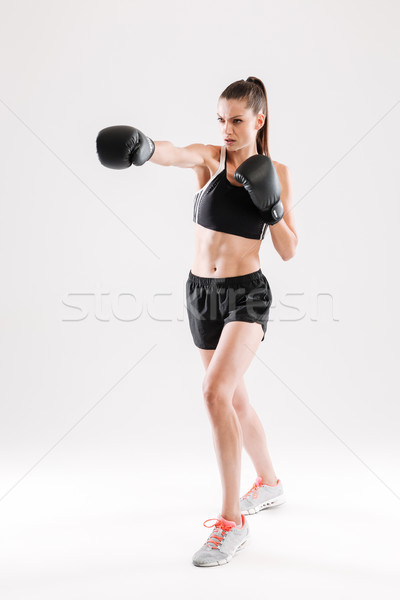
{"x": 241, "y": 193}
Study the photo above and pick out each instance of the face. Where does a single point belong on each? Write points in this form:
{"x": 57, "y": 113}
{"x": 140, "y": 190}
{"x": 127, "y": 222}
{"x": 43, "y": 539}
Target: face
{"x": 238, "y": 123}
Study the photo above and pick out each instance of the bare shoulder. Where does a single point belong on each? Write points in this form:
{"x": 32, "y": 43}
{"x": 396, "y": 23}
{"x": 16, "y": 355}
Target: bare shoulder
{"x": 280, "y": 167}
{"x": 210, "y": 155}
{"x": 207, "y": 150}
{"x": 213, "y": 151}
{"x": 283, "y": 173}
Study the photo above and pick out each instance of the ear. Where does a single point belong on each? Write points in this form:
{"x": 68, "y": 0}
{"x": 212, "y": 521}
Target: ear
{"x": 260, "y": 120}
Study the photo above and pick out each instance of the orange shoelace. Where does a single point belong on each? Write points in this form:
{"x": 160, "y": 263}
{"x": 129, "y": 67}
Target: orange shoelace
{"x": 254, "y": 490}
{"x": 256, "y": 487}
{"x": 215, "y": 540}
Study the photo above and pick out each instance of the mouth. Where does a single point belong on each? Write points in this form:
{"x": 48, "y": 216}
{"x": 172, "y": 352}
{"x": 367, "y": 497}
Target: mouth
{"x": 229, "y": 140}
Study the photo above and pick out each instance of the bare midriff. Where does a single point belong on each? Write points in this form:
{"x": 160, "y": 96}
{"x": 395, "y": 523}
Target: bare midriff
{"x": 219, "y": 254}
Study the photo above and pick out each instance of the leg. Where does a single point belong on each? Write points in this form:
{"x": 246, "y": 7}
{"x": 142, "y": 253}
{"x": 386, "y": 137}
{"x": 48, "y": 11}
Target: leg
{"x": 254, "y": 439}
{"x": 235, "y": 350}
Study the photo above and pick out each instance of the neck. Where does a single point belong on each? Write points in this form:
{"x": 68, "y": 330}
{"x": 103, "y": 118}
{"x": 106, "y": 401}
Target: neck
{"x": 236, "y": 157}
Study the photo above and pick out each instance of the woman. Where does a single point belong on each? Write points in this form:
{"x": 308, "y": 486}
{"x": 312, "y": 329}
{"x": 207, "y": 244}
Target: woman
{"x": 228, "y": 296}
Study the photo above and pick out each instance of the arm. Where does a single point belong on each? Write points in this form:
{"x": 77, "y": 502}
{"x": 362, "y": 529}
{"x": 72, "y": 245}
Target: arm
{"x": 120, "y": 146}
{"x": 283, "y": 233}
{"x": 168, "y": 155}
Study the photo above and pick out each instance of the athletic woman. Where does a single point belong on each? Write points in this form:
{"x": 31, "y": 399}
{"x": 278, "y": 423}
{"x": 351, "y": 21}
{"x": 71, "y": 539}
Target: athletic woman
{"x": 241, "y": 192}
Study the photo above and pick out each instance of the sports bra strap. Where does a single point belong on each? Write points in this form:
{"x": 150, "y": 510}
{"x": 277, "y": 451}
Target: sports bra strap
{"x": 222, "y": 159}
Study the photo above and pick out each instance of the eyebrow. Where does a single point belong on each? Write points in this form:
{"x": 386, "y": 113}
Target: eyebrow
{"x": 232, "y": 117}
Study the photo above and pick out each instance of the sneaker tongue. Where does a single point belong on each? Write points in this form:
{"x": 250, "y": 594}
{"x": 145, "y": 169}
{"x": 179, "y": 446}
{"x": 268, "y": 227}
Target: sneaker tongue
{"x": 259, "y": 480}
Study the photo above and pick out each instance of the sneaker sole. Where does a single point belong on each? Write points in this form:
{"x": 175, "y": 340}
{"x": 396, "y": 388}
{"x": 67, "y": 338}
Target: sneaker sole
{"x": 273, "y": 502}
{"x": 223, "y": 561}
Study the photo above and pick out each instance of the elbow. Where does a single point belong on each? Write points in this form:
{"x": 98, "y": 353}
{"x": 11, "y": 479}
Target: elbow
{"x": 286, "y": 257}
{"x": 290, "y": 253}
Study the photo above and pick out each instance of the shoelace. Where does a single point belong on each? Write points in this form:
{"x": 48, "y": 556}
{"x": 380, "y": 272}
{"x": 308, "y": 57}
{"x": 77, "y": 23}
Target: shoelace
{"x": 214, "y": 539}
{"x": 254, "y": 490}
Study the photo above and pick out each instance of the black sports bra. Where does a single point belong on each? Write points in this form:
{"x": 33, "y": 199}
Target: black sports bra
{"x": 222, "y": 206}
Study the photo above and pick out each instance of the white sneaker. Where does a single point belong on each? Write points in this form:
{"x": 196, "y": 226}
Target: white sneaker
{"x": 262, "y": 496}
{"x": 222, "y": 544}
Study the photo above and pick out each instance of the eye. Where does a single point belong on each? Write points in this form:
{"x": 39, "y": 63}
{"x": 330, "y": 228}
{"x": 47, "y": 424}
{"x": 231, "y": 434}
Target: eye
{"x": 220, "y": 119}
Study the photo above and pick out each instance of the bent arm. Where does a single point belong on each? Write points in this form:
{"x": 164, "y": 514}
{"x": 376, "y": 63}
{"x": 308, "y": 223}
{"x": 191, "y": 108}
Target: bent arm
{"x": 284, "y": 234}
{"x": 168, "y": 155}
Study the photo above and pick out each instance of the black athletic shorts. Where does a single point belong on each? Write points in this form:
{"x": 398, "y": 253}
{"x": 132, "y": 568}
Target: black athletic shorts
{"x": 213, "y": 301}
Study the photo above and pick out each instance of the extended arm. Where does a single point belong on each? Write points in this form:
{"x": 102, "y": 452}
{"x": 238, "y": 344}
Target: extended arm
{"x": 168, "y": 155}
{"x": 121, "y": 146}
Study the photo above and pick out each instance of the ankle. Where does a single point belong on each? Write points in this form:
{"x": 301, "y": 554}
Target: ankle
{"x": 269, "y": 481}
{"x": 237, "y": 519}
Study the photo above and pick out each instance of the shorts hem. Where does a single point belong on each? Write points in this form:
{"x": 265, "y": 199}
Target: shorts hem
{"x": 262, "y": 323}
{"x": 201, "y": 348}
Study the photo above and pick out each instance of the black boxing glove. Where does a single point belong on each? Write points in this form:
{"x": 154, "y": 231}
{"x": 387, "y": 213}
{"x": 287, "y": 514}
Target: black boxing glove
{"x": 258, "y": 176}
{"x": 120, "y": 146}
{"x": 274, "y": 214}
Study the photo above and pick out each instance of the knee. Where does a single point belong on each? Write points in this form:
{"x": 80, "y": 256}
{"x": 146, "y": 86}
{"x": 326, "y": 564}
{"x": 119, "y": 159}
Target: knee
{"x": 215, "y": 393}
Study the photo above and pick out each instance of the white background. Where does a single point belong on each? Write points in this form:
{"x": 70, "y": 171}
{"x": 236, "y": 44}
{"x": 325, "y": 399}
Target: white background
{"x": 108, "y": 468}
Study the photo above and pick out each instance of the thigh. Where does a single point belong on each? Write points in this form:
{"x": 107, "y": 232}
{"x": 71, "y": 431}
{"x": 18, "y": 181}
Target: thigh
{"x": 240, "y": 396}
{"x": 206, "y": 356}
{"x": 236, "y": 349}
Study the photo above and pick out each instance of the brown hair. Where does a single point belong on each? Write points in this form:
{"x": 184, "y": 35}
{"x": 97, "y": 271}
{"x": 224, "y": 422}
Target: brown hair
{"x": 253, "y": 90}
